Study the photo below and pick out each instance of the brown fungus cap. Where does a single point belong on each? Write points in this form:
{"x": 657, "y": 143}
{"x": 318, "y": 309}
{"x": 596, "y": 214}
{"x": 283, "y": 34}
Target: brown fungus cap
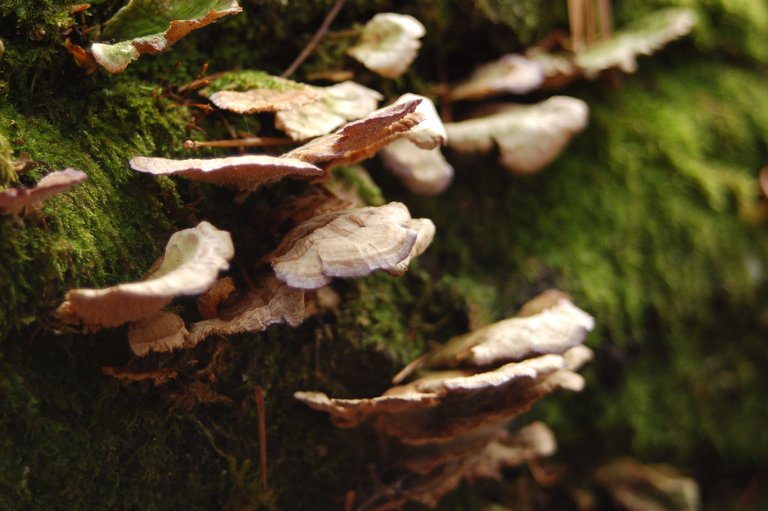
{"x": 264, "y": 100}
{"x": 360, "y": 139}
{"x": 193, "y": 259}
{"x": 247, "y": 172}
{"x": 350, "y": 243}
{"x": 14, "y": 200}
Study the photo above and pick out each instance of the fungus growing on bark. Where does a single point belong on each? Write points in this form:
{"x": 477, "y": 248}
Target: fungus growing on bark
{"x": 248, "y": 92}
{"x": 263, "y": 100}
{"x": 425, "y": 172}
{"x": 389, "y": 43}
{"x": 350, "y": 243}
{"x": 415, "y": 158}
{"x": 149, "y": 26}
{"x": 270, "y": 303}
{"x": 430, "y": 131}
{"x": 360, "y": 139}
{"x": 529, "y": 137}
{"x": 511, "y": 74}
{"x": 192, "y": 261}
{"x": 247, "y": 172}
{"x": 441, "y": 406}
{"x": 555, "y": 329}
{"x": 14, "y": 200}
{"x": 340, "y": 103}
{"x": 208, "y": 302}
{"x": 162, "y": 331}
{"x": 642, "y": 37}
{"x": 637, "y": 487}
{"x": 435, "y": 477}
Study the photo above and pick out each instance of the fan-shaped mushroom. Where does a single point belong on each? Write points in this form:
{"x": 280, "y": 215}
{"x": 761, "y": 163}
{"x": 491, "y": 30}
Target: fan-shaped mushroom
{"x": 389, "y": 43}
{"x": 350, "y": 243}
{"x": 247, "y": 172}
{"x": 193, "y": 259}
{"x": 528, "y": 137}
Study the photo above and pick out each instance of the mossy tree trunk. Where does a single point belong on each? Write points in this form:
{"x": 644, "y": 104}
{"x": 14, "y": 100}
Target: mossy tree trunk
{"x": 651, "y": 220}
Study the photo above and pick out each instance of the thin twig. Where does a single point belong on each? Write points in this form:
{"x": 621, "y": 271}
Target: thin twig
{"x": 191, "y": 145}
{"x": 315, "y": 39}
{"x": 201, "y": 81}
{"x": 259, "y": 395}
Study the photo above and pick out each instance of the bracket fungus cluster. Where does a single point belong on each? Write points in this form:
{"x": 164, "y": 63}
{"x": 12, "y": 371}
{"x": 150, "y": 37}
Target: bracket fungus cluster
{"x": 451, "y": 423}
{"x": 457, "y": 419}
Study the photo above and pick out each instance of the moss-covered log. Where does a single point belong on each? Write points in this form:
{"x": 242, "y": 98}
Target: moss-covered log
{"x": 651, "y": 219}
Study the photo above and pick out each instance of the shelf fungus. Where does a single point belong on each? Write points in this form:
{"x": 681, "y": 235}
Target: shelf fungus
{"x": 264, "y": 100}
{"x": 555, "y": 329}
{"x": 438, "y": 469}
{"x": 511, "y": 74}
{"x": 443, "y": 405}
{"x": 162, "y": 331}
{"x": 192, "y": 261}
{"x": 13, "y": 200}
{"x": 454, "y": 425}
{"x": 360, "y": 139}
{"x": 350, "y": 243}
{"x": 149, "y": 26}
{"x": 416, "y": 158}
{"x": 272, "y": 302}
{"x": 337, "y": 104}
{"x": 389, "y": 43}
{"x": 637, "y": 487}
{"x": 643, "y": 37}
{"x": 424, "y": 172}
{"x": 529, "y": 137}
{"x": 247, "y": 172}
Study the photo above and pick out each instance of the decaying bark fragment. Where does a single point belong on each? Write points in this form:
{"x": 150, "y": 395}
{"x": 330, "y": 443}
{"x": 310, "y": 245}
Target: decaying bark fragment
{"x": 271, "y": 302}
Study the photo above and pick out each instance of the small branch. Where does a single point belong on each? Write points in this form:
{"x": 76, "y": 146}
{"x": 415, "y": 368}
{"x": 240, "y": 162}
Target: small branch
{"x": 201, "y": 81}
{"x": 191, "y": 145}
{"x": 315, "y": 39}
{"x": 259, "y": 395}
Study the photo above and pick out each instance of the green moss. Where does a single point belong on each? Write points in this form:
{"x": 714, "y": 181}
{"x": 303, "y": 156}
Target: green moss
{"x": 110, "y": 227}
{"x": 7, "y": 174}
{"x": 355, "y": 180}
{"x": 246, "y": 80}
{"x": 736, "y": 27}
